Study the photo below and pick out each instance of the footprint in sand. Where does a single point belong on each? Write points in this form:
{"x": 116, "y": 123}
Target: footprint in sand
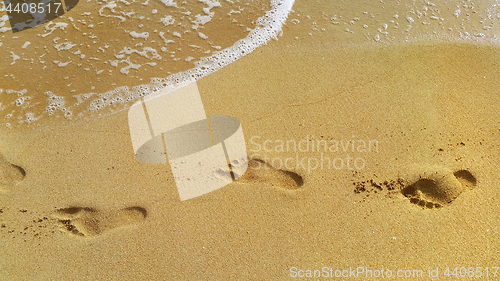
{"x": 259, "y": 171}
{"x": 435, "y": 187}
{"x": 10, "y": 174}
{"x": 89, "y": 222}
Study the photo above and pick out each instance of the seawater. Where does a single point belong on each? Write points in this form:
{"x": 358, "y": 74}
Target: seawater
{"x": 102, "y": 56}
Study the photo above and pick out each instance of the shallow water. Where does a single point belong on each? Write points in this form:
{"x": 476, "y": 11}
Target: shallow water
{"x": 98, "y": 55}
{"x": 82, "y": 60}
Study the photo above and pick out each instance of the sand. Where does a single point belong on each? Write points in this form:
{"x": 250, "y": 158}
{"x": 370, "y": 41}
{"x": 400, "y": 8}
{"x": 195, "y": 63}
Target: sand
{"x": 397, "y": 172}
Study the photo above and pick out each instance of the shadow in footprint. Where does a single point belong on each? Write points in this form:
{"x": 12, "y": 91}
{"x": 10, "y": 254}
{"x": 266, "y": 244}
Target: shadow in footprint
{"x": 88, "y": 222}
{"x": 261, "y": 172}
{"x": 437, "y": 187}
{"x": 10, "y": 174}
{"x": 467, "y": 180}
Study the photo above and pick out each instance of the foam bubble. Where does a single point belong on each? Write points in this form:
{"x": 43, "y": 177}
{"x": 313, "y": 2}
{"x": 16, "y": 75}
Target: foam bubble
{"x": 167, "y": 20}
{"x": 54, "y": 103}
{"x": 144, "y": 35}
{"x": 14, "y": 58}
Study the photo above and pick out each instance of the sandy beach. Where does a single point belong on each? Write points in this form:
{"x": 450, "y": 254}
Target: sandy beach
{"x": 370, "y": 154}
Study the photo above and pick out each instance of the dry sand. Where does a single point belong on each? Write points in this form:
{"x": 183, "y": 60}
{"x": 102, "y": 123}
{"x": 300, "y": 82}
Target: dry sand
{"x": 77, "y": 205}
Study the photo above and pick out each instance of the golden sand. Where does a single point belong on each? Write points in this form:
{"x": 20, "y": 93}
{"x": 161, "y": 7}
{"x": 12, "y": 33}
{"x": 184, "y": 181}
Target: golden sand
{"x": 76, "y": 205}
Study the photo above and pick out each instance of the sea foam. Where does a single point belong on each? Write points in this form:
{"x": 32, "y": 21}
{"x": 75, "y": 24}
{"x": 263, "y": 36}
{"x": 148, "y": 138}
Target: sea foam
{"x": 268, "y": 27}
{"x": 153, "y": 50}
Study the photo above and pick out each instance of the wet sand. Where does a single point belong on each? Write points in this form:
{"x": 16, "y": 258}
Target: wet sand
{"x": 77, "y": 205}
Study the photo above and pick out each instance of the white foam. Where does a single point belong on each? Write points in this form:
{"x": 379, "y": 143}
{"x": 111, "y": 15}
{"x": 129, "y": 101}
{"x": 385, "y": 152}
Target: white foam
{"x": 52, "y": 26}
{"x": 14, "y": 57}
{"x": 169, "y": 3}
{"x": 55, "y": 103}
{"x": 3, "y": 20}
{"x": 62, "y": 64}
{"x": 144, "y": 35}
{"x": 167, "y": 20}
{"x": 64, "y": 46}
{"x": 30, "y": 118}
{"x": 20, "y": 101}
{"x": 111, "y": 6}
{"x": 268, "y": 27}
{"x": 201, "y": 20}
{"x": 125, "y": 70}
{"x": 146, "y": 52}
